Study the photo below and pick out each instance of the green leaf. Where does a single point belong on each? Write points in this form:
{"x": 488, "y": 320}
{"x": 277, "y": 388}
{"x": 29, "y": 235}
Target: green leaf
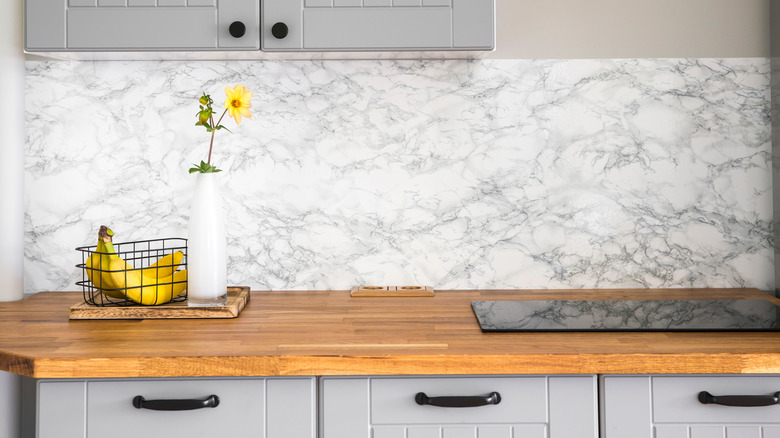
{"x": 204, "y": 167}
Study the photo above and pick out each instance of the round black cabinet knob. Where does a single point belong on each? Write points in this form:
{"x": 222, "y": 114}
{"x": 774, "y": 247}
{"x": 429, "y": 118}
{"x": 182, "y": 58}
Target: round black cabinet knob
{"x": 237, "y": 29}
{"x": 279, "y": 30}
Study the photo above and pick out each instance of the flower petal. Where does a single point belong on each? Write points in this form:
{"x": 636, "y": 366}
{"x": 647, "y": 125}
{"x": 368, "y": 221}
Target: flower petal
{"x": 236, "y": 115}
{"x": 237, "y": 102}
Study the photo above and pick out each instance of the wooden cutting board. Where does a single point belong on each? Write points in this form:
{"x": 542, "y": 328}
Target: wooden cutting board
{"x": 237, "y": 297}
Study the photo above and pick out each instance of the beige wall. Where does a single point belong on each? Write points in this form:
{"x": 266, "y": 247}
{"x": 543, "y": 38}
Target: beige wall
{"x": 631, "y": 28}
{"x": 775, "y": 28}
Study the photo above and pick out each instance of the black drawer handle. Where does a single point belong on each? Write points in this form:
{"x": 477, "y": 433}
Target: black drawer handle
{"x": 739, "y": 400}
{"x": 493, "y": 398}
{"x": 185, "y": 404}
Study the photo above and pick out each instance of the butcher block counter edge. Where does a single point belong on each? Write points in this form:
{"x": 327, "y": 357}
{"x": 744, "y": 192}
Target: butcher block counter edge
{"x": 305, "y": 333}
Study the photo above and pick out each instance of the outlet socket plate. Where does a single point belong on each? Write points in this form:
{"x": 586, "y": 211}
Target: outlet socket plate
{"x": 392, "y": 291}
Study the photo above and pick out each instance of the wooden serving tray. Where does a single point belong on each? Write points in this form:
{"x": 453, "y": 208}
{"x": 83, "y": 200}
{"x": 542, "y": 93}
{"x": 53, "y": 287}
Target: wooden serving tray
{"x": 237, "y": 297}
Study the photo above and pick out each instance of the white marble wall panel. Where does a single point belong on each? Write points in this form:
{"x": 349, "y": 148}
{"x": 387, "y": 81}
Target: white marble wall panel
{"x": 455, "y": 174}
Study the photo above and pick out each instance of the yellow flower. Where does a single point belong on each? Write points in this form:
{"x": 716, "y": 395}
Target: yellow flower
{"x": 237, "y": 102}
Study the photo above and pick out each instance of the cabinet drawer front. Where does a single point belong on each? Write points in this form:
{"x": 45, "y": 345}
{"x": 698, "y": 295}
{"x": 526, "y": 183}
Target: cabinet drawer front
{"x": 675, "y": 399}
{"x": 110, "y": 410}
{"x": 523, "y": 400}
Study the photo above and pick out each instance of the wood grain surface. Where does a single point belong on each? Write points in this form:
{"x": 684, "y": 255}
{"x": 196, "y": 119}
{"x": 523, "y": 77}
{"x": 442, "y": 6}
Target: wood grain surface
{"x": 330, "y": 333}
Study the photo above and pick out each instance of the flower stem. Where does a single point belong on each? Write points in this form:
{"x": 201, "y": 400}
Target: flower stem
{"x": 213, "y": 130}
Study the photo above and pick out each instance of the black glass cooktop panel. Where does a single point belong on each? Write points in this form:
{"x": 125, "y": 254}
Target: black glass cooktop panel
{"x": 627, "y": 315}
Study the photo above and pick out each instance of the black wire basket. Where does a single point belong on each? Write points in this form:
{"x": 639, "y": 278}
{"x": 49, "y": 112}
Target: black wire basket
{"x": 150, "y": 274}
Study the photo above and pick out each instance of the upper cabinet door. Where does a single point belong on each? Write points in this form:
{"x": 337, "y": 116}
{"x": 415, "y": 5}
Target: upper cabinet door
{"x": 377, "y": 25}
{"x": 141, "y": 25}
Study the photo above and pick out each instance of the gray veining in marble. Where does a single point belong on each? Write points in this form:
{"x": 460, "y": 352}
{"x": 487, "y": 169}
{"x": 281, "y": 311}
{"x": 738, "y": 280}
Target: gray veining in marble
{"x": 622, "y": 315}
{"x": 485, "y": 174}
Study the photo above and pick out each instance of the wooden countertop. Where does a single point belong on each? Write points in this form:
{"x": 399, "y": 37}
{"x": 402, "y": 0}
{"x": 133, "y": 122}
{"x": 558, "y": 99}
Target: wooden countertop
{"x": 331, "y": 333}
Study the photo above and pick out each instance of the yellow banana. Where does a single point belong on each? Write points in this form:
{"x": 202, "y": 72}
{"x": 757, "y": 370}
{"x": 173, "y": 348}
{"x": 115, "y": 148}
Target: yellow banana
{"x": 93, "y": 267}
{"x": 107, "y": 269}
{"x": 117, "y": 279}
{"x": 165, "y": 266}
{"x": 153, "y": 291}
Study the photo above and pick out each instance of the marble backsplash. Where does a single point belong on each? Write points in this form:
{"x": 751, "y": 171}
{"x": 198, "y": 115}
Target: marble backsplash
{"x": 630, "y": 173}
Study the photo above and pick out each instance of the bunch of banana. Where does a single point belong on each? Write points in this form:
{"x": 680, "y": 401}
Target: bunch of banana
{"x": 157, "y": 284}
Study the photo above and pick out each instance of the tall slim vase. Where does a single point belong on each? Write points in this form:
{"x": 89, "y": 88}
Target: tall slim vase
{"x": 207, "y": 245}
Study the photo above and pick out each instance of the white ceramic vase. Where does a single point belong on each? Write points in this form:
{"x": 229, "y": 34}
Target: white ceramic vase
{"x": 207, "y": 245}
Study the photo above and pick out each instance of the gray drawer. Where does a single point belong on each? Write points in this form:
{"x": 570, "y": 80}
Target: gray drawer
{"x": 668, "y": 407}
{"x": 248, "y": 407}
{"x": 239, "y": 413}
{"x": 530, "y": 407}
{"x": 523, "y": 400}
{"x": 675, "y": 399}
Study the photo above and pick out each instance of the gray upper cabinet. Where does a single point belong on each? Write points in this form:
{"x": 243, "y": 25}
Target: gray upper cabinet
{"x": 323, "y": 25}
{"x": 231, "y": 25}
{"x": 141, "y": 25}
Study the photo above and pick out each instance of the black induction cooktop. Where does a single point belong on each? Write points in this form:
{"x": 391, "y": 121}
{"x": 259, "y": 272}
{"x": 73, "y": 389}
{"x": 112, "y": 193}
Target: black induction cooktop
{"x": 627, "y": 315}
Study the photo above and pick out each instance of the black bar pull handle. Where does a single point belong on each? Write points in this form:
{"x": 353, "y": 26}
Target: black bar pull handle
{"x": 493, "y": 398}
{"x": 739, "y": 400}
{"x": 184, "y": 404}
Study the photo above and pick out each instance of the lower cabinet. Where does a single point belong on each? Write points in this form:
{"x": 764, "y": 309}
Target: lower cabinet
{"x": 459, "y": 407}
{"x": 191, "y": 407}
{"x": 507, "y": 406}
{"x": 294, "y": 407}
{"x": 691, "y": 406}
